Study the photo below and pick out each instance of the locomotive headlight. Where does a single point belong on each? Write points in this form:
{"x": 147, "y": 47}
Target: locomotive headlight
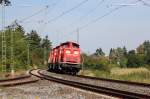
{"x": 68, "y": 52}
{"x": 76, "y": 52}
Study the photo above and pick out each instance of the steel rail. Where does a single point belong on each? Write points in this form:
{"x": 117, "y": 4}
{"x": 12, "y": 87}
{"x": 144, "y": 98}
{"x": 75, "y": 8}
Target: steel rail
{"x": 19, "y": 83}
{"x": 115, "y": 81}
{"x": 19, "y": 80}
{"x": 95, "y": 88}
{"x": 15, "y": 78}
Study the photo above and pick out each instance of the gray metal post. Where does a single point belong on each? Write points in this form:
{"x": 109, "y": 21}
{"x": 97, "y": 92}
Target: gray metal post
{"x": 12, "y": 51}
{"x": 3, "y": 38}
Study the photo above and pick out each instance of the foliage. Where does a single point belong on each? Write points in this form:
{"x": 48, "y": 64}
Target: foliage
{"x": 119, "y": 57}
{"x": 135, "y": 60}
{"x": 25, "y": 45}
{"x": 31, "y": 50}
{"x": 99, "y": 52}
{"x": 95, "y": 62}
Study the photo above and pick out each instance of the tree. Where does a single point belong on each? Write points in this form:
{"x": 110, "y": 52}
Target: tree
{"x": 135, "y": 60}
{"x": 46, "y": 45}
{"x": 19, "y": 46}
{"x": 118, "y": 56}
{"x": 124, "y": 51}
{"x": 36, "y": 51}
{"x": 140, "y": 49}
{"x": 112, "y": 56}
{"x": 99, "y": 52}
{"x": 144, "y": 49}
{"x": 147, "y": 58}
{"x": 147, "y": 51}
{"x": 33, "y": 39}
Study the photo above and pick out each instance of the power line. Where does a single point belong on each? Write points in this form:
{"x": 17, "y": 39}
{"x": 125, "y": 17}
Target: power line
{"x": 36, "y": 13}
{"x": 87, "y": 14}
{"x": 101, "y": 17}
{"x": 144, "y": 3}
{"x": 97, "y": 19}
{"x": 45, "y": 23}
{"x": 106, "y": 14}
{"x": 92, "y": 10}
{"x": 54, "y": 4}
{"x": 67, "y": 11}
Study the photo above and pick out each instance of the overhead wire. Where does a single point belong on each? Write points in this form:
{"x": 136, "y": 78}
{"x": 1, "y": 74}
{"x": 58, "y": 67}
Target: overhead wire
{"x": 34, "y": 14}
{"x": 46, "y": 16}
{"x": 144, "y": 3}
{"x": 38, "y": 12}
{"x": 67, "y": 11}
{"x": 101, "y": 17}
{"x": 92, "y": 10}
{"x": 106, "y": 14}
{"x": 87, "y": 14}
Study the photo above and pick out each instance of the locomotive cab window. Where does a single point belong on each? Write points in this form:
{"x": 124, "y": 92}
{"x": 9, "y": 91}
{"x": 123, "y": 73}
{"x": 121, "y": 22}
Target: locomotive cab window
{"x": 65, "y": 45}
{"x": 74, "y": 45}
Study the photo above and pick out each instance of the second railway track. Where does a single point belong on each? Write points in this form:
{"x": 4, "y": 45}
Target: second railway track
{"x": 116, "y": 89}
{"x": 18, "y": 80}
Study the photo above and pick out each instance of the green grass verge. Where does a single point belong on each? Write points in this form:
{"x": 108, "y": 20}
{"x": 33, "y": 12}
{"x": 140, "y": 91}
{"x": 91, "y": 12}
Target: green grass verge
{"x": 135, "y": 75}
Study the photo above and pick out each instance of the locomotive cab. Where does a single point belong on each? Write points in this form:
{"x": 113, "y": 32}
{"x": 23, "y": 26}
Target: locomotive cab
{"x": 65, "y": 58}
{"x": 71, "y": 53}
{"x": 70, "y": 57}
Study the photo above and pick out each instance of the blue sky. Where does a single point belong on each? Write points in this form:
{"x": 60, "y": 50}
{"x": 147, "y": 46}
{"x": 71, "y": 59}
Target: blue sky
{"x": 128, "y": 26}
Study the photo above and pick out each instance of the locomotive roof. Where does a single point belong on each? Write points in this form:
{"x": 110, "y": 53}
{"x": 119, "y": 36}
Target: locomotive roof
{"x": 69, "y": 42}
{"x": 66, "y": 43}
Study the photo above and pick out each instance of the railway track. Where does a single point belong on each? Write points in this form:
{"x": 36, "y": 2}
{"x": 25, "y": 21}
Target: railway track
{"x": 105, "y": 86}
{"x": 115, "y": 81}
{"x": 18, "y": 80}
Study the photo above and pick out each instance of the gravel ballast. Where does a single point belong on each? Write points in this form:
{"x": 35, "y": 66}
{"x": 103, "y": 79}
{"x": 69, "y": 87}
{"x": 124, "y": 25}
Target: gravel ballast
{"x": 44, "y": 89}
{"x": 112, "y": 85}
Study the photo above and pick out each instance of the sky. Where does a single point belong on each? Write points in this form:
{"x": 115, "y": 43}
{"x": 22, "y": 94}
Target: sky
{"x": 101, "y": 23}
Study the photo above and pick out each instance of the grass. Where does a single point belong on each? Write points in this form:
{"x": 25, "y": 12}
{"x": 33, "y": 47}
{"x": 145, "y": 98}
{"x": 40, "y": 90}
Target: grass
{"x": 7, "y": 74}
{"x": 19, "y": 70}
{"x": 141, "y": 75}
{"x": 127, "y": 71}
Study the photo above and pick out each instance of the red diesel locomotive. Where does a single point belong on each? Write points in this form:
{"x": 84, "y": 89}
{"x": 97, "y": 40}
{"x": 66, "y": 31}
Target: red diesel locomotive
{"x": 65, "y": 58}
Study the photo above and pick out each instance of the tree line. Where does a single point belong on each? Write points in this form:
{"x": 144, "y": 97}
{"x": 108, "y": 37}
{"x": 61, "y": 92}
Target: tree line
{"x": 29, "y": 49}
{"x": 119, "y": 57}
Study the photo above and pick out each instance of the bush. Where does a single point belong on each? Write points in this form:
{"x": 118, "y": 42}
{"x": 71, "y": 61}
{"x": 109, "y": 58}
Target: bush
{"x": 96, "y": 63}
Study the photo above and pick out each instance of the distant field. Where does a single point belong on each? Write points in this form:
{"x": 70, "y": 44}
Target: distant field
{"x": 129, "y": 74}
